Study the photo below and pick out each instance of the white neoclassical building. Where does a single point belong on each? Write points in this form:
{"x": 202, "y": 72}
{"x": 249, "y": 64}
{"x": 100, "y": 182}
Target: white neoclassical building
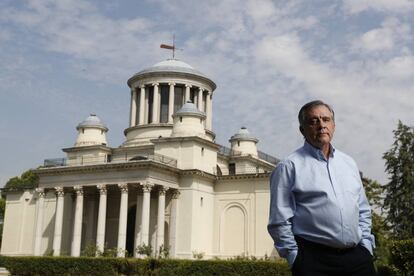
{"x": 169, "y": 184}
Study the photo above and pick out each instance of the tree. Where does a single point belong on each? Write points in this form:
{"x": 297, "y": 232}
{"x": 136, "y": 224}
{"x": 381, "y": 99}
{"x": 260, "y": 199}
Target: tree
{"x": 399, "y": 192}
{"x": 28, "y": 179}
{"x": 374, "y": 193}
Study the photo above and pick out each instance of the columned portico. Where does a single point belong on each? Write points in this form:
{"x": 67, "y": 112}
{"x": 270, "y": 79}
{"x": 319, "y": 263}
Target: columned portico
{"x": 77, "y": 228}
{"x": 100, "y": 232}
{"x": 39, "y": 222}
{"x": 123, "y": 216}
{"x": 57, "y": 236}
{"x": 160, "y": 218}
{"x": 146, "y": 188}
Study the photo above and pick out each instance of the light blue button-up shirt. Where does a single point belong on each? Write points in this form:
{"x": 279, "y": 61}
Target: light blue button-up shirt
{"x": 320, "y": 200}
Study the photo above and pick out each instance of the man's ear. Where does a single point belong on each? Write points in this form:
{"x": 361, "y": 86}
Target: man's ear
{"x": 301, "y": 129}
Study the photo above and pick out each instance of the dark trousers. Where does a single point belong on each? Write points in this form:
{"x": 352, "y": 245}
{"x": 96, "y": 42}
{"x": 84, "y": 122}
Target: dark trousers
{"x": 315, "y": 259}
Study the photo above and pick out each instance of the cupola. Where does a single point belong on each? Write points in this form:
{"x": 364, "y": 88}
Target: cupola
{"x": 188, "y": 121}
{"x": 243, "y": 142}
{"x": 91, "y": 132}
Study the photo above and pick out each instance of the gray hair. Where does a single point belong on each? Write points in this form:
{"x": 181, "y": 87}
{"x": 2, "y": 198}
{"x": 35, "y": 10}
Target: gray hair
{"x": 309, "y": 106}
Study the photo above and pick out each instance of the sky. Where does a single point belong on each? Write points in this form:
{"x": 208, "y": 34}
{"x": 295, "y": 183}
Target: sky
{"x": 62, "y": 60}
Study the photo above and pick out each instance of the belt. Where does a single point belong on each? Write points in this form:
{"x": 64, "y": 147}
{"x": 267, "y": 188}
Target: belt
{"x": 317, "y": 246}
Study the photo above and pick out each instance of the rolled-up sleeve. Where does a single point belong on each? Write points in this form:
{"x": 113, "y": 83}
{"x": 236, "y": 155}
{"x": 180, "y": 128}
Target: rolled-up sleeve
{"x": 282, "y": 210}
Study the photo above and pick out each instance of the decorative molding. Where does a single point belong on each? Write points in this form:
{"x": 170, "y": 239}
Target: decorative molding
{"x": 102, "y": 189}
{"x": 147, "y": 187}
{"x": 79, "y": 190}
{"x": 162, "y": 190}
{"x": 123, "y": 187}
{"x": 40, "y": 192}
{"x": 59, "y": 191}
{"x": 175, "y": 194}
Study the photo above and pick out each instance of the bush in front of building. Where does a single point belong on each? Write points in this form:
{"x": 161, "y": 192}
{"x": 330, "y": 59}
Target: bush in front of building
{"x": 130, "y": 266}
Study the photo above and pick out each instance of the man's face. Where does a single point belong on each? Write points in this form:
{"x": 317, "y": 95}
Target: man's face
{"x": 319, "y": 126}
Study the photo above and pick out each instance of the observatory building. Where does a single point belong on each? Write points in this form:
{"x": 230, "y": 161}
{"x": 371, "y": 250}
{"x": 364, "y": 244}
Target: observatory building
{"x": 168, "y": 185}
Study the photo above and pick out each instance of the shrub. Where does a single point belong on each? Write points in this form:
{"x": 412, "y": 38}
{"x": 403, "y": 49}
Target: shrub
{"x": 402, "y": 256}
{"x": 130, "y": 266}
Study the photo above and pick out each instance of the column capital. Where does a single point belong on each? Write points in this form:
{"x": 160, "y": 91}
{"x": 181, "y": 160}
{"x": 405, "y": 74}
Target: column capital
{"x": 155, "y": 84}
{"x": 40, "y": 192}
{"x": 175, "y": 194}
{"x": 59, "y": 191}
{"x": 142, "y": 86}
{"x": 171, "y": 83}
{"x": 162, "y": 190}
{"x": 123, "y": 187}
{"x": 201, "y": 89}
{"x": 102, "y": 189}
{"x": 188, "y": 85}
{"x": 147, "y": 187}
{"x": 78, "y": 189}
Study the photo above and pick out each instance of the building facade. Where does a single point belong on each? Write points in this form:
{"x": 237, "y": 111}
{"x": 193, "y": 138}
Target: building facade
{"x": 169, "y": 185}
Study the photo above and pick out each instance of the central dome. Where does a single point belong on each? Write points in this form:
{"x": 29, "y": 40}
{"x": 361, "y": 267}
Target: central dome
{"x": 170, "y": 66}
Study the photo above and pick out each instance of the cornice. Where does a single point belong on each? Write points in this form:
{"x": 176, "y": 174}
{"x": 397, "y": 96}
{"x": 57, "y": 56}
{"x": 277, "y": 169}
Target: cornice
{"x": 198, "y": 173}
{"x": 84, "y": 148}
{"x": 105, "y": 167}
{"x": 185, "y": 139}
{"x": 244, "y": 176}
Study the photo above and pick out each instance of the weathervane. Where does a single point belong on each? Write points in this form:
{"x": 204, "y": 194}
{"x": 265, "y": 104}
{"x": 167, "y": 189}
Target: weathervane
{"x": 171, "y": 47}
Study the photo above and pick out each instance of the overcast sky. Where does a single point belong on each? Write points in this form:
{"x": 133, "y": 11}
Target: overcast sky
{"x": 62, "y": 60}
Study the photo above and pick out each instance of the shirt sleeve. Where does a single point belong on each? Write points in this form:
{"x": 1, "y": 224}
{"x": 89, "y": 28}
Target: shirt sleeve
{"x": 368, "y": 240}
{"x": 282, "y": 209}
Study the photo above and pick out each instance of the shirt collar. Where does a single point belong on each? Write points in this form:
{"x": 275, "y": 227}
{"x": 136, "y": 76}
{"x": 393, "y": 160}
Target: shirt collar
{"x": 317, "y": 153}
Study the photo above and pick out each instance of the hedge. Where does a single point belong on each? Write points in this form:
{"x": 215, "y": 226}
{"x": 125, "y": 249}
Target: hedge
{"x": 130, "y": 266}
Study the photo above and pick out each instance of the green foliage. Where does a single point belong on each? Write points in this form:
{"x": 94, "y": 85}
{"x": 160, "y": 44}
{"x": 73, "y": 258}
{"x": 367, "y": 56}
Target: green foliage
{"x": 198, "y": 255}
{"x": 91, "y": 250}
{"x": 149, "y": 266}
{"x": 164, "y": 252}
{"x": 399, "y": 164}
{"x": 145, "y": 250}
{"x": 28, "y": 179}
{"x": 402, "y": 256}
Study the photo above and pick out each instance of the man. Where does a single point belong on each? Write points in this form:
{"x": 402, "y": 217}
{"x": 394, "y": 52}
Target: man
{"x": 320, "y": 219}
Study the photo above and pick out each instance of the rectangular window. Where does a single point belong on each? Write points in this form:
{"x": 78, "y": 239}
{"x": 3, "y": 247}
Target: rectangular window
{"x": 232, "y": 168}
{"x": 178, "y": 97}
{"x": 165, "y": 92}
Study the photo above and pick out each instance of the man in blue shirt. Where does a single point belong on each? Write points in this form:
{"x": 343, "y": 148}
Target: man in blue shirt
{"x": 320, "y": 219}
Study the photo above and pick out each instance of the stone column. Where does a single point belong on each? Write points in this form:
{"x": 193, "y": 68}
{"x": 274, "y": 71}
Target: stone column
{"x": 57, "y": 236}
{"x": 155, "y": 104}
{"x": 39, "y": 221}
{"x": 123, "y": 216}
{"x": 142, "y": 105}
{"x": 160, "y": 218}
{"x": 77, "y": 228}
{"x": 100, "y": 232}
{"x": 171, "y": 102}
{"x": 133, "y": 112}
{"x": 146, "y": 188}
{"x": 173, "y": 223}
{"x": 146, "y": 116}
{"x": 187, "y": 93}
{"x": 200, "y": 99}
{"x": 209, "y": 111}
{"x": 138, "y": 226}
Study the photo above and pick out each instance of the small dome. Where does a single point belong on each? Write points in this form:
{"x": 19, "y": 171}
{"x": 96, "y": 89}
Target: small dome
{"x": 243, "y": 135}
{"x": 189, "y": 109}
{"x": 92, "y": 121}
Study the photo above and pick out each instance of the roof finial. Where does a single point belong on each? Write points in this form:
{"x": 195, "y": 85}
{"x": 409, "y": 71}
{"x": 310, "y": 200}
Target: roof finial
{"x": 170, "y": 47}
